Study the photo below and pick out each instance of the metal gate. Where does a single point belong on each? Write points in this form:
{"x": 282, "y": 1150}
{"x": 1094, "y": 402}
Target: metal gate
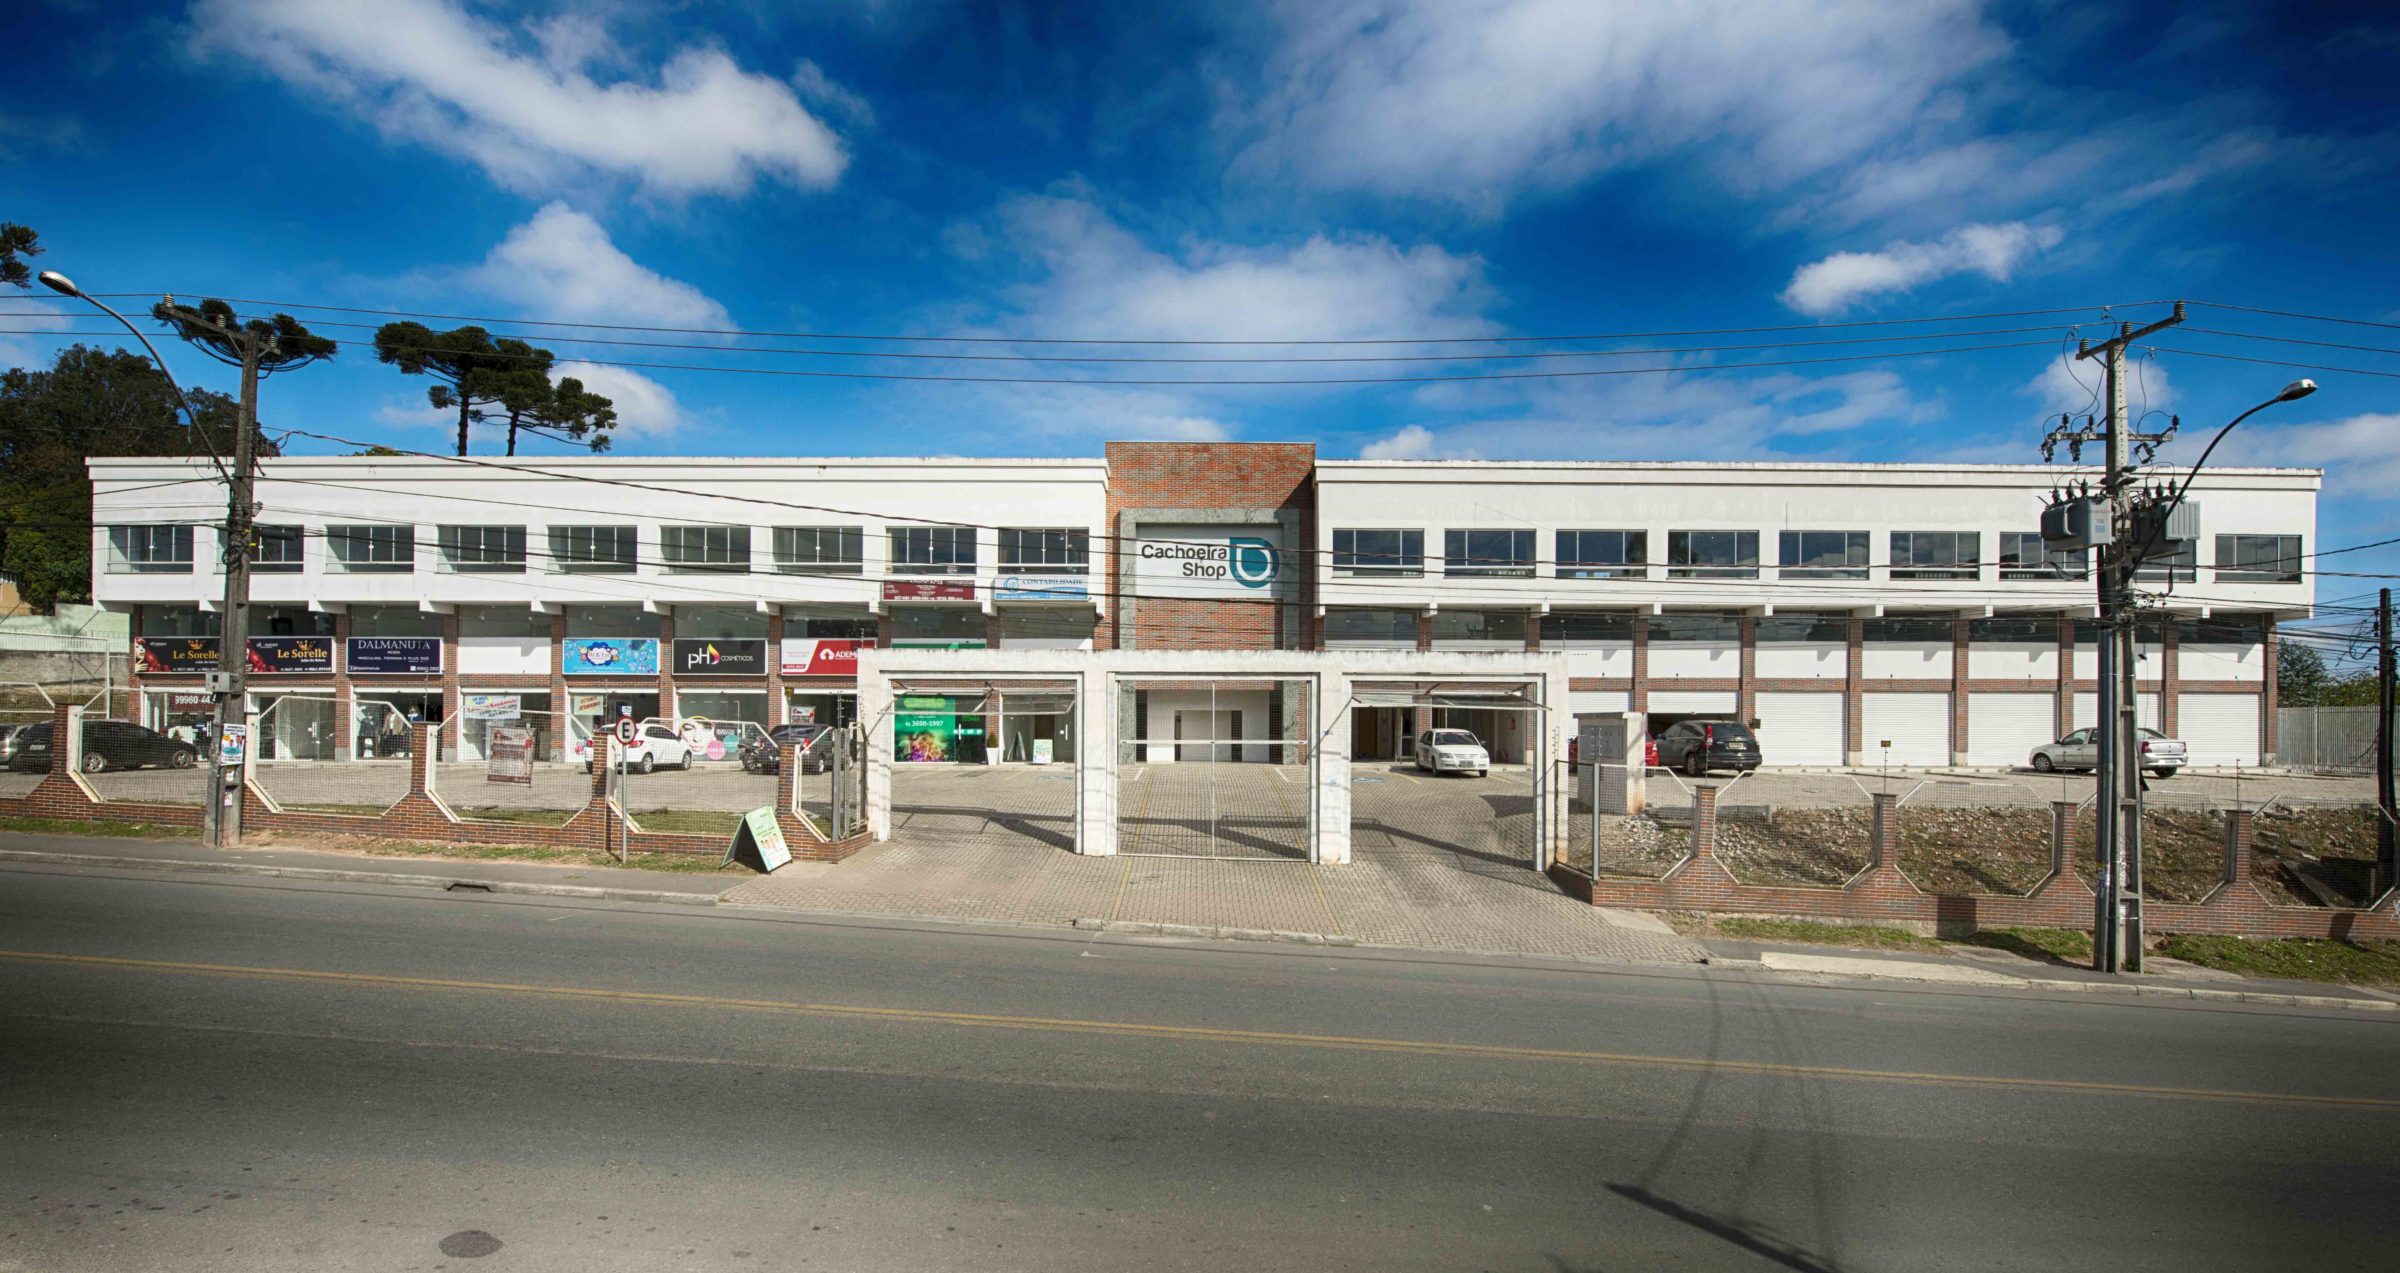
{"x": 983, "y": 762}
{"x": 1418, "y": 808}
{"x": 1218, "y": 768}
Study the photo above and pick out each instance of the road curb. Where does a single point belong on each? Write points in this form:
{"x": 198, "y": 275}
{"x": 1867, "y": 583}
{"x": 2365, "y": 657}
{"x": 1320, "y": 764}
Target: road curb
{"x": 1095, "y": 924}
{"x": 334, "y": 876}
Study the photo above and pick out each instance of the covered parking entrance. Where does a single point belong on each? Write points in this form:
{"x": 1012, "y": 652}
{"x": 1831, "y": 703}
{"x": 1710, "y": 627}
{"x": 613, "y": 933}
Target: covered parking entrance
{"x": 1414, "y": 813}
{"x": 1247, "y": 719}
{"x": 951, "y": 779}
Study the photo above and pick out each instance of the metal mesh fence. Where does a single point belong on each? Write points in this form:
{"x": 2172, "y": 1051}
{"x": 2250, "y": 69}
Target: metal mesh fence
{"x": 1975, "y": 835}
{"x": 1763, "y": 841}
{"x": 2311, "y": 854}
{"x": 1216, "y": 769}
{"x": 677, "y": 778}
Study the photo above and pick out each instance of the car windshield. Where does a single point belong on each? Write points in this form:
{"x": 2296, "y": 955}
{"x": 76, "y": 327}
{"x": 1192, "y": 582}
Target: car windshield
{"x": 1453, "y": 738}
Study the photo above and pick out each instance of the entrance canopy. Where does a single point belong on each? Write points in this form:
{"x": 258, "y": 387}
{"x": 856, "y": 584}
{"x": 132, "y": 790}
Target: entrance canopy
{"x": 1092, "y": 688}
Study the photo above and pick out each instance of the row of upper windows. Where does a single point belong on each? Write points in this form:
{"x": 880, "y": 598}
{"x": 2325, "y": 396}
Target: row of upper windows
{"x": 1573, "y": 627}
{"x": 831, "y": 550}
{"x": 1803, "y": 554}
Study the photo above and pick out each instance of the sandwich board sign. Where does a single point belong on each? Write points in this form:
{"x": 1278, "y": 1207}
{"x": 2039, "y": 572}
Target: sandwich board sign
{"x": 763, "y": 837}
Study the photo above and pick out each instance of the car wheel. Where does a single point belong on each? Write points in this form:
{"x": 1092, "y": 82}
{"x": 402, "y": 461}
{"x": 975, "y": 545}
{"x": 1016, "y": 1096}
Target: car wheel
{"x": 181, "y": 760}
{"x": 1695, "y": 765}
{"x": 94, "y": 762}
{"x": 648, "y": 763}
{"x": 687, "y": 762}
{"x": 2043, "y": 764}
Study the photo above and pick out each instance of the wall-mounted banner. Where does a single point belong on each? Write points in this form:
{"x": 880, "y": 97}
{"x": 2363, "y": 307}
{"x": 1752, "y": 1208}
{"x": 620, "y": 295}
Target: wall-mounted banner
{"x": 377, "y": 655}
{"x": 1209, "y": 562}
{"x": 711, "y": 656}
{"x": 811, "y": 656}
{"x": 610, "y": 656}
{"x": 927, "y": 590}
{"x": 291, "y": 654}
{"x": 178, "y": 654}
{"x": 491, "y": 706}
{"x": 1042, "y": 588}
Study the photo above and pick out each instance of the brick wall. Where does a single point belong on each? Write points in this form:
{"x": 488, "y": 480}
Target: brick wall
{"x": 1207, "y": 477}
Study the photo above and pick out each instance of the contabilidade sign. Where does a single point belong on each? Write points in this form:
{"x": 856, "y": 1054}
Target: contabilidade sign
{"x": 1208, "y": 562}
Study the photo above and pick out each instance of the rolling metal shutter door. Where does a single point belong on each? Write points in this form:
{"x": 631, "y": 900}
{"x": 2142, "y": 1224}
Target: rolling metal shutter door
{"x": 1693, "y": 702}
{"x": 1917, "y": 725}
{"x": 2003, "y": 729}
{"x": 1799, "y": 728}
{"x": 1580, "y": 702}
{"x": 2145, "y": 710}
{"x": 2220, "y": 729}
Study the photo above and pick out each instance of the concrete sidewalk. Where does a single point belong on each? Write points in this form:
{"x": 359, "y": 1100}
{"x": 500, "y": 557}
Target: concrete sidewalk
{"x": 604, "y": 883}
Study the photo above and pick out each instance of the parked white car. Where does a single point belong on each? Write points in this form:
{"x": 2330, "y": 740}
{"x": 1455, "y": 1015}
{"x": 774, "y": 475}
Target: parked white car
{"x": 1452, "y": 751}
{"x": 2161, "y": 755}
{"x": 658, "y": 746}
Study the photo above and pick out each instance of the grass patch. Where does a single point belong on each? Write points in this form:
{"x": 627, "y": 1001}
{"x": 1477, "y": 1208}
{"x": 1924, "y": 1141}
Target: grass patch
{"x": 77, "y": 826}
{"x": 2373, "y": 963}
{"x": 2065, "y": 946}
{"x": 530, "y": 817}
{"x": 694, "y": 821}
{"x": 1862, "y": 936}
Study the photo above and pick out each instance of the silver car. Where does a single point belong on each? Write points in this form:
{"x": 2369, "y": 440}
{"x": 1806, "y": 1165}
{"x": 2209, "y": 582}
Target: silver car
{"x": 2161, "y": 755}
{"x": 1452, "y": 751}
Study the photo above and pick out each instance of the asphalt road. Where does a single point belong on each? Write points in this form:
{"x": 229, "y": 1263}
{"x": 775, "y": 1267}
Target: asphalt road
{"x": 262, "y": 1075}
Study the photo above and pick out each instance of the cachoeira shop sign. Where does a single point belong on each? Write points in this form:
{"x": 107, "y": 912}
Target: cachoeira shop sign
{"x": 1208, "y": 562}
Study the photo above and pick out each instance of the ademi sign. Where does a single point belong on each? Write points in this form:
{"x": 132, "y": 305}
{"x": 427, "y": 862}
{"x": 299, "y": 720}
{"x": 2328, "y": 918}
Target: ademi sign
{"x": 1209, "y": 562}
{"x": 806, "y": 656}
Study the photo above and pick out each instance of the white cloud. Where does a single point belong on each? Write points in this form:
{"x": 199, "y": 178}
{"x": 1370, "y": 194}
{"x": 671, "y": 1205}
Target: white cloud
{"x": 528, "y": 109}
{"x": 1099, "y": 279}
{"x": 562, "y": 265}
{"x": 1473, "y": 101}
{"x": 1846, "y": 278}
{"x": 2360, "y": 454}
{"x": 2067, "y": 385}
{"x": 1411, "y": 442}
{"x": 645, "y": 408}
{"x": 38, "y": 313}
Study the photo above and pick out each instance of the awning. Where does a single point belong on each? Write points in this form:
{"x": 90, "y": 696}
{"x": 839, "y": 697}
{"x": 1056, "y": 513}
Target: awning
{"x": 1485, "y": 698}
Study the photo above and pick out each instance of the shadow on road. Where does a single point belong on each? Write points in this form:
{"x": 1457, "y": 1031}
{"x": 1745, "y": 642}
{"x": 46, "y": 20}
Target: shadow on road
{"x": 1733, "y": 1231}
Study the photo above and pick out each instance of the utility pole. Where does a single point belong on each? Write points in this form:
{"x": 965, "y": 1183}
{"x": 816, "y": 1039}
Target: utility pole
{"x": 2387, "y": 856}
{"x": 2117, "y": 901}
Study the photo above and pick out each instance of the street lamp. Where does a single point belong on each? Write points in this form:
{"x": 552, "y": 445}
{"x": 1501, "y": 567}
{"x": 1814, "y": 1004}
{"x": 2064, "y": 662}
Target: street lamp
{"x": 2292, "y": 392}
{"x": 65, "y": 286}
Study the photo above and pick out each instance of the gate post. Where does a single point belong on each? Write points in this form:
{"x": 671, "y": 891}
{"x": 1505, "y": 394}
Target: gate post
{"x": 875, "y": 718}
{"x": 1096, "y": 745}
{"x": 1331, "y": 719}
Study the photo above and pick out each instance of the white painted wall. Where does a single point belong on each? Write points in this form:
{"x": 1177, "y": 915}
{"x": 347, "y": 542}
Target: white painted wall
{"x": 1796, "y": 728}
{"x": 2222, "y": 662}
{"x": 1817, "y": 661}
{"x": 1613, "y": 659}
{"x": 2014, "y": 660}
{"x": 1922, "y": 660}
{"x": 1695, "y": 659}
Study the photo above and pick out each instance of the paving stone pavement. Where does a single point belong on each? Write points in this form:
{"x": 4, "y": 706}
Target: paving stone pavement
{"x": 1433, "y": 867}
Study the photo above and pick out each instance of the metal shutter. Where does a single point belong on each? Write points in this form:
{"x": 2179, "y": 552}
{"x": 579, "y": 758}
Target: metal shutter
{"x": 2220, "y": 729}
{"x": 2003, "y": 729}
{"x": 1581, "y": 702}
{"x": 1797, "y": 728}
{"x": 2145, "y": 710}
{"x": 1693, "y": 702}
{"x": 1917, "y": 726}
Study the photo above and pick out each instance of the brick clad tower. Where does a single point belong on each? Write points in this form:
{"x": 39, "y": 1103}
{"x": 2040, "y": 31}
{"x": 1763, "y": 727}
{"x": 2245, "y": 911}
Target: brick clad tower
{"x": 1251, "y": 488}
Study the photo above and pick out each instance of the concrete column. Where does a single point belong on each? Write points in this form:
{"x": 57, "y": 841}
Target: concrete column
{"x": 1639, "y": 697}
{"x": 875, "y": 717}
{"x": 1959, "y": 644}
{"x": 66, "y": 741}
{"x": 2064, "y": 709}
{"x": 1883, "y": 846}
{"x": 1333, "y": 768}
{"x": 2266, "y": 701}
{"x": 1854, "y": 689}
{"x": 1097, "y": 742}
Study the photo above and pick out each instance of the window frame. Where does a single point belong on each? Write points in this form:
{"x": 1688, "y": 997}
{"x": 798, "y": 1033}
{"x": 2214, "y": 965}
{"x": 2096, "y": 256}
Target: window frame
{"x": 724, "y": 549}
{"x": 2173, "y": 565}
{"x": 293, "y": 537}
{"x": 1791, "y": 546}
{"x": 2287, "y": 555}
{"x": 392, "y": 548}
{"x": 906, "y": 559}
{"x": 567, "y": 556}
{"x": 1906, "y": 552}
{"x": 849, "y": 549}
{"x": 1682, "y": 565}
{"x": 481, "y": 556}
{"x": 1459, "y": 555}
{"x": 178, "y": 540}
{"x": 1574, "y": 558}
{"x": 2063, "y": 565}
{"x": 1060, "y": 550}
{"x": 1406, "y": 559}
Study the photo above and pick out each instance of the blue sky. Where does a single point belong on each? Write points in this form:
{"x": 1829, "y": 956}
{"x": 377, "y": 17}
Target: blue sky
{"x": 1260, "y": 171}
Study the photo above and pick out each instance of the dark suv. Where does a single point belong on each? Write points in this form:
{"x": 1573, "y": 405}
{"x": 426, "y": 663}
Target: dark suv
{"x": 1697, "y": 746}
{"x": 107, "y": 744}
{"x": 765, "y": 755}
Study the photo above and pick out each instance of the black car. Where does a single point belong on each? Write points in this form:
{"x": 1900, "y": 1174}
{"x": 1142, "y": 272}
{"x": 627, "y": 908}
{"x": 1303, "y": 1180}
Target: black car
{"x": 1697, "y": 746}
{"x": 107, "y": 744}
{"x": 765, "y": 755}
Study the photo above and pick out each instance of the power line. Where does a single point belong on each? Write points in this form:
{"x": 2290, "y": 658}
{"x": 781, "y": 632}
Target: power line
{"x": 2276, "y": 362}
{"x": 2314, "y": 318}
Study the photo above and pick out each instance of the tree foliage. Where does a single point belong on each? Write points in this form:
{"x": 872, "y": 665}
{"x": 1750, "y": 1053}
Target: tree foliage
{"x": 217, "y": 331}
{"x": 16, "y": 243}
{"x": 2300, "y": 675}
{"x": 497, "y": 380}
{"x": 89, "y": 402}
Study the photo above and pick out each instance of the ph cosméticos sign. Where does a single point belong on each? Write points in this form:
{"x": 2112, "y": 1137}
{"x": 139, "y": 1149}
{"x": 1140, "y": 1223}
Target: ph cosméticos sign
{"x": 709, "y": 656}
{"x": 810, "y": 656}
{"x": 1208, "y": 562}
{"x": 609, "y": 656}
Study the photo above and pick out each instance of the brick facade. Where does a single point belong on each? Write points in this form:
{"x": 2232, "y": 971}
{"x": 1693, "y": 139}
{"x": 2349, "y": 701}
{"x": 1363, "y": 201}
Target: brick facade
{"x": 1151, "y": 482}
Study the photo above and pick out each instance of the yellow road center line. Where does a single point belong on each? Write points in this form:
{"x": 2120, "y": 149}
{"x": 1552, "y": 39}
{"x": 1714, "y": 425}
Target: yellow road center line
{"x": 1135, "y": 1029}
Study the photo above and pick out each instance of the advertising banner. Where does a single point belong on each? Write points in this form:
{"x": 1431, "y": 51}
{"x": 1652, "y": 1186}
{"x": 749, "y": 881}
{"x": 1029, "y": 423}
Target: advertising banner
{"x": 812, "y": 656}
{"x": 378, "y": 655}
{"x": 291, "y": 654}
{"x": 709, "y": 656}
{"x": 178, "y": 654}
{"x": 927, "y": 590}
{"x": 610, "y": 656}
{"x": 924, "y": 730}
{"x": 1214, "y": 563}
{"x": 491, "y": 706}
{"x": 509, "y": 752}
{"x": 1042, "y": 588}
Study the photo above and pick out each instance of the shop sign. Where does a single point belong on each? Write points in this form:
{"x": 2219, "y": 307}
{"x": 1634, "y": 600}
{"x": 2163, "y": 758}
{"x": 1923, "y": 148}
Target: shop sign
{"x": 927, "y": 590}
{"x": 181, "y": 702}
{"x": 291, "y": 654}
{"x": 178, "y": 654}
{"x": 375, "y": 655}
{"x": 610, "y": 656}
{"x": 761, "y": 836}
{"x": 1042, "y": 588}
{"x": 1208, "y": 562}
{"x": 814, "y": 656}
{"x": 234, "y": 746}
{"x": 510, "y": 752}
{"x": 491, "y": 706}
{"x": 709, "y": 656}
